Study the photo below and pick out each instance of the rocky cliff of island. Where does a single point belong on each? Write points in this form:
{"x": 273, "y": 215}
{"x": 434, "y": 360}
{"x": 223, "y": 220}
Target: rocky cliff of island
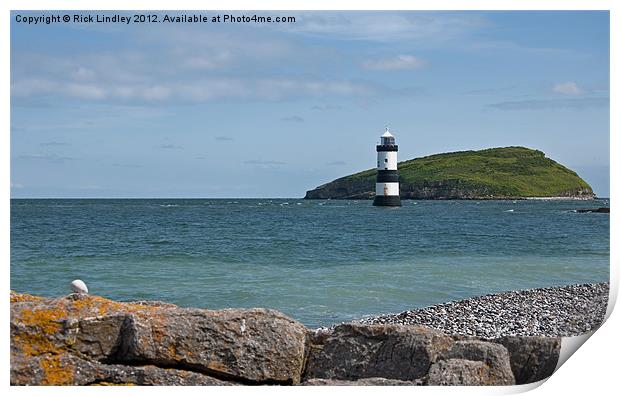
{"x": 496, "y": 173}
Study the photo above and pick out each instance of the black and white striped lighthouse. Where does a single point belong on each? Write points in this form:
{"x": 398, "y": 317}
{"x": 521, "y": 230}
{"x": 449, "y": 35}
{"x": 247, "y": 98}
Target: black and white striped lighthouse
{"x": 387, "y": 191}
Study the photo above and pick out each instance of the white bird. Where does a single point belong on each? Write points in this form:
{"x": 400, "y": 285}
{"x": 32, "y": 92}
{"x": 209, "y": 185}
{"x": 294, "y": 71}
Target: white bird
{"x": 78, "y": 286}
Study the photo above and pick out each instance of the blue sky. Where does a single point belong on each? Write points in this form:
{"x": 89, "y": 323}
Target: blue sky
{"x": 245, "y": 110}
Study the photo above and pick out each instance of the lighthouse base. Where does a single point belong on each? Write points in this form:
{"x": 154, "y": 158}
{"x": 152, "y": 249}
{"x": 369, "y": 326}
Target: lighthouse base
{"x": 386, "y": 200}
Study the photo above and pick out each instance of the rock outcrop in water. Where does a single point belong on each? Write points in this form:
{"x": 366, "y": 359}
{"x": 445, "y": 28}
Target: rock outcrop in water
{"x": 498, "y": 173}
{"x": 88, "y": 340}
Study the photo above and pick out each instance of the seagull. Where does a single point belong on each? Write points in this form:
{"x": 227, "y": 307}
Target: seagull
{"x": 78, "y": 286}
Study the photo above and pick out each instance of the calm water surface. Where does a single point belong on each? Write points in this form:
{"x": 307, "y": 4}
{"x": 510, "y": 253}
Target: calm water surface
{"x": 317, "y": 261}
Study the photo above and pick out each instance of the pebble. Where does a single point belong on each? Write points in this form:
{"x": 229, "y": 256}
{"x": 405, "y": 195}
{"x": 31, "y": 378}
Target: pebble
{"x": 552, "y": 312}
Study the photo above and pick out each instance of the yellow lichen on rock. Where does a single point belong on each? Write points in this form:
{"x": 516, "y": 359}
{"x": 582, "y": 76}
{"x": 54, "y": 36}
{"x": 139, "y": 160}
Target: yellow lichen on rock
{"x": 49, "y": 321}
{"x": 54, "y": 372}
{"x": 17, "y": 297}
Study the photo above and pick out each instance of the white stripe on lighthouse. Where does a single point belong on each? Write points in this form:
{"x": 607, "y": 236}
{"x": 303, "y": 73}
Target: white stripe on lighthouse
{"x": 387, "y": 189}
{"x": 391, "y": 158}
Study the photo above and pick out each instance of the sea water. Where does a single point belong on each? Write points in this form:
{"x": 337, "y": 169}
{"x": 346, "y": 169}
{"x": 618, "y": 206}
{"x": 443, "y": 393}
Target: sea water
{"x": 320, "y": 262}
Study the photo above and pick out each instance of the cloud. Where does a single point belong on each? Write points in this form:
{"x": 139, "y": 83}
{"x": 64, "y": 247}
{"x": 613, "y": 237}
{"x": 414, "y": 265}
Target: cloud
{"x": 121, "y": 165}
{"x": 552, "y": 104}
{"x": 294, "y": 118}
{"x": 336, "y": 163}
{"x": 197, "y": 91}
{"x": 55, "y": 144}
{"x": 51, "y": 158}
{"x": 224, "y": 139}
{"x": 260, "y": 162}
{"x": 326, "y": 107}
{"x": 400, "y": 62}
{"x": 568, "y": 88}
{"x": 489, "y": 91}
{"x": 83, "y": 73}
{"x": 208, "y": 62}
{"x": 422, "y": 27}
{"x": 16, "y": 185}
{"x": 169, "y": 146}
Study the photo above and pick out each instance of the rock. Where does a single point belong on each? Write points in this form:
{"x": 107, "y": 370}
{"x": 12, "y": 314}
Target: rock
{"x": 256, "y": 345}
{"x": 494, "y": 357}
{"x": 88, "y": 340}
{"x": 532, "y": 358}
{"x": 360, "y": 382}
{"x": 596, "y": 210}
{"x": 68, "y": 369}
{"x": 353, "y": 351}
{"x": 78, "y": 286}
{"x": 248, "y": 346}
{"x": 459, "y": 372}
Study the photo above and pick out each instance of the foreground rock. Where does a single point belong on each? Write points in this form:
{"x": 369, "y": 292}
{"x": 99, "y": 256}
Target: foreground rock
{"x": 88, "y": 340}
{"x": 69, "y": 369}
{"x": 67, "y": 340}
{"x": 396, "y": 355}
{"x": 473, "y": 363}
{"x": 351, "y": 352}
{"x": 531, "y": 358}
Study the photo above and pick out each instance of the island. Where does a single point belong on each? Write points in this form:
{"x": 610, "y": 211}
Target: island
{"x": 495, "y": 173}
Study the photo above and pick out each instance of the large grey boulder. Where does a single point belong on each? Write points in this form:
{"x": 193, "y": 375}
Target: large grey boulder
{"x": 459, "y": 372}
{"x": 491, "y": 365}
{"x": 353, "y": 351}
{"x": 69, "y": 369}
{"x": 56, "y": 341}
{"x": 532, "y": 358}
{"x": 256, "y": 345}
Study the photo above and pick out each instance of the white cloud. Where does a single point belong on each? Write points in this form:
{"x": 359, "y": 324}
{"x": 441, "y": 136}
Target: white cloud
{"x": 386, "y": 26}
{"x": 196, "y": 91}
{"x": 16, "y": 185}
{"x": 553, "y": 104}
{"x": 567, "y": 88}
{"x": 83, "y": 73}
{"x": 52, "y": 158}
{"x": 400, "y": 62}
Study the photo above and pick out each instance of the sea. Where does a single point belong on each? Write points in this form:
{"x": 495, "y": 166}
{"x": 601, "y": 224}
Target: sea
{"x": 318, "y": 261}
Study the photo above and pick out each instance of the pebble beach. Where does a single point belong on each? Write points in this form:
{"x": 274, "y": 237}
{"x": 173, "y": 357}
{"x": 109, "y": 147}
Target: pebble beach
{"x": 553, "y": 312}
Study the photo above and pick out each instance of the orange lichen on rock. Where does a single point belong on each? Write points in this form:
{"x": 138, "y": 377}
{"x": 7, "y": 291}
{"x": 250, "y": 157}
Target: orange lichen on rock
{"x": 33, "y": 344}
{"x": 16, "y": 297}
{"x": 48, "y": 320}
{"x": 55, "y": 372}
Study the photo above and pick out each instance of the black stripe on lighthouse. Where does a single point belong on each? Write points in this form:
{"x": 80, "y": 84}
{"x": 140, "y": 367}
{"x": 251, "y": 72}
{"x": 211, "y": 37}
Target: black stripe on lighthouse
{"x": 387, "y": 176}
{"x": 387, "y": 189}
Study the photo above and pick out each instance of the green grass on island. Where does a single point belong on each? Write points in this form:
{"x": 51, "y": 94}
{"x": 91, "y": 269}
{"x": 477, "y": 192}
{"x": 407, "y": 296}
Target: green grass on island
{"x": 508, "y": 172}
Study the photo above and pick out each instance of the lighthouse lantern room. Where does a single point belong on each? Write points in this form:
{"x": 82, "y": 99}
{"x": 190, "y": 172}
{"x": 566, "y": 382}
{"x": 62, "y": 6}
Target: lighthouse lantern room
{"x": 387, "y": 189}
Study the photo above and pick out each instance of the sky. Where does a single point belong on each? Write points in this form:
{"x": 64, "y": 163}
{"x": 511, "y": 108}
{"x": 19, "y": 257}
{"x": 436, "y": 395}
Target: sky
{"x": 218, "y": 110}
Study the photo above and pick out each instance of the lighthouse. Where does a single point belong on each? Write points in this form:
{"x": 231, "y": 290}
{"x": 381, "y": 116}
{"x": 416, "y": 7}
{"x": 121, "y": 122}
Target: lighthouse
{"x": 387, "y": 191}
